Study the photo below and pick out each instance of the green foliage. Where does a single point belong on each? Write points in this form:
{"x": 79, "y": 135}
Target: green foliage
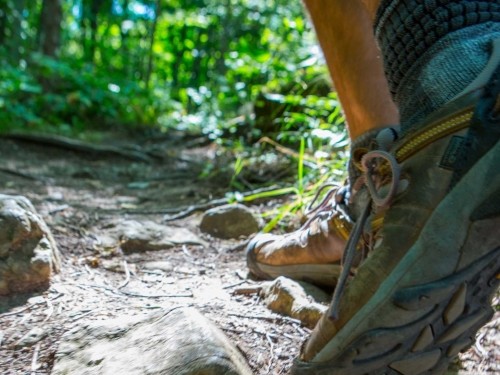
{"x": 189, "y": 65}
{"x": 68, "y": 98}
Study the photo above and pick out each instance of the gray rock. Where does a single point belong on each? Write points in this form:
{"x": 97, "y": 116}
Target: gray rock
{"x": 32, "y": 337}
{"x": 229, "y": 221}
{"x": 137, "y": 236}
{"x": 177, "y": 342}
{"x": 296, "y": 299}
{"x": 28, "y": 252}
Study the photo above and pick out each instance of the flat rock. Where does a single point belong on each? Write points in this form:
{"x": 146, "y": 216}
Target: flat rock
{"x": 32, "y": 337}
{"x": 296, "y": 299}
{"x": 28, "y": 252}
{"x": 138, "y": 236}
{"x": 177, "y": 342}
{"x": 229, "y": 221}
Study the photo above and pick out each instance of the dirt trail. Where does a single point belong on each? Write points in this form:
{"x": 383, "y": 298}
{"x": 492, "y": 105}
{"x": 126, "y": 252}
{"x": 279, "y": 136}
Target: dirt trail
{"x": 82, "y": 195}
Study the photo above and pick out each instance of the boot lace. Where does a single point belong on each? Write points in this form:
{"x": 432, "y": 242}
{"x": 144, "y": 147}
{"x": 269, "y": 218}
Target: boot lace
{"x": 320, "y": 210}
{"x": 328, "y": 204}
{"x": 380, "y": 168}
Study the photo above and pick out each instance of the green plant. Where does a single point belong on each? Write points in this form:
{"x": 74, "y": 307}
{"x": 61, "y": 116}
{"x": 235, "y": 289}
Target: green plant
{"x": 302, "y": 191}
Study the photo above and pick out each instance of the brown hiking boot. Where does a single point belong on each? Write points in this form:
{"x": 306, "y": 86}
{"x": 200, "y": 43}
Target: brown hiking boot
{"x": 426, "y": 286}
{"x": 311, "y": 253}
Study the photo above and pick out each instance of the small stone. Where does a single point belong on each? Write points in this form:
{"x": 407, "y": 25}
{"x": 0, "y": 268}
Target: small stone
{"x": 298, "y": 300}
{"x": 32, "y": 337}
{"x": 229, "y": 221}
{"x": 179, "y": 341}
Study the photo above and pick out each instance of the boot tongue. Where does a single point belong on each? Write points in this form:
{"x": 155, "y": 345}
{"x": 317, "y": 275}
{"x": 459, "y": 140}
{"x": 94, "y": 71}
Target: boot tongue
{"x": 376, "y": 139}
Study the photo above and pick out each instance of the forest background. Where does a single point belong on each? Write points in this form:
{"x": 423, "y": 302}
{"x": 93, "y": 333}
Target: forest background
{"x": 246, "y": 75}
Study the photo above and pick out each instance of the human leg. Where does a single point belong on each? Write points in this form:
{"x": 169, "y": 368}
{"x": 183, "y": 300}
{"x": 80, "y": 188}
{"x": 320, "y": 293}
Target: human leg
{"x": 424, "y": 290}
{"x": 345, "y": 33}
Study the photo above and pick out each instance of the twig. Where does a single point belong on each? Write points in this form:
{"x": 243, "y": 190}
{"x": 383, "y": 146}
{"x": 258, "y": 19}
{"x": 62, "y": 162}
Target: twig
{"x": 58, "y": 209}
{"x": 134, "y": 294}
{"x": 284, "y": 150}
{"x": 263, "y": 333}
{"x": 199, "y": 207}
{"x": 78, "y": 317}
{"x": 248, "y": 290}
{"x": 238, "y": 331}
{"x": 176, "y": 269}
{"x": 18, "y": 311}
{"x": 185, "y": 212}
{"x": 238, "y": 247}
{"x": 242, "y": 276}
{"x": 271, "y": 352}
{"x": 267, "y": 317}
{"x": 50, "y": 310}
{"x": 89, "y": 271}
{"x": 34, "y": 360}
{"x": 19, "y": 174}
{"x": 234, "y": 284}
{"x": 96, "y": 286}
{"x": 310, "y": 162}
{"x": 127, "y": 275}
{"x": 189, "y": 256}
{"x": 153, "y": 272}
{"x": 29, "y": 306}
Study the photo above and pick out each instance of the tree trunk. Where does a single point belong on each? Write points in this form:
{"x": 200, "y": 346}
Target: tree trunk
{"x": 14, "y": 41}
{"x": 176, "y": 65}
{"x": 225, "y": 37}
{"x": 50, "y": 27}
{"x": 94, "y": 11}
{"x": 124, "y": 42}
{"x": 151, "y": 43}
{"x": 3, "y": 20}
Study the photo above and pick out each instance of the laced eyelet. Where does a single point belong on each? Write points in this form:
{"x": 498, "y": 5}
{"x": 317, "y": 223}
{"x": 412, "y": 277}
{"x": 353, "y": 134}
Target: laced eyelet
{"x": 357, "y": 157}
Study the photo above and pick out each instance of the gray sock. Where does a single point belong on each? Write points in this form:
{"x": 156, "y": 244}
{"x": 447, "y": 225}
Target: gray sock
{"x": 433, "y": 49}
{"x": 444, "y": 71}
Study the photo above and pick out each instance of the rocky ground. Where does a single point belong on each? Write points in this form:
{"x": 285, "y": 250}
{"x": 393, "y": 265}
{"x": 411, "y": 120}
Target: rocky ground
{"x": 110, "y": 213}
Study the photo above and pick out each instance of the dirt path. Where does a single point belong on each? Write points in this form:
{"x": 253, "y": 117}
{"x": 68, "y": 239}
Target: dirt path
{"x": 81, "y": 196}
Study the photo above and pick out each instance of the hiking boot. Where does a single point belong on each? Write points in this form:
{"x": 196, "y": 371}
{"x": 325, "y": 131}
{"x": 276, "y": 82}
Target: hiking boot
{"x": 426, "y": 286}
{"x": 311, "y": 253}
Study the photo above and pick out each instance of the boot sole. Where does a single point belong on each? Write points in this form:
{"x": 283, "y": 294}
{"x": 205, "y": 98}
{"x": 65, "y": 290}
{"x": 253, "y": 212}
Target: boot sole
{"x": 439, "y": 304}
